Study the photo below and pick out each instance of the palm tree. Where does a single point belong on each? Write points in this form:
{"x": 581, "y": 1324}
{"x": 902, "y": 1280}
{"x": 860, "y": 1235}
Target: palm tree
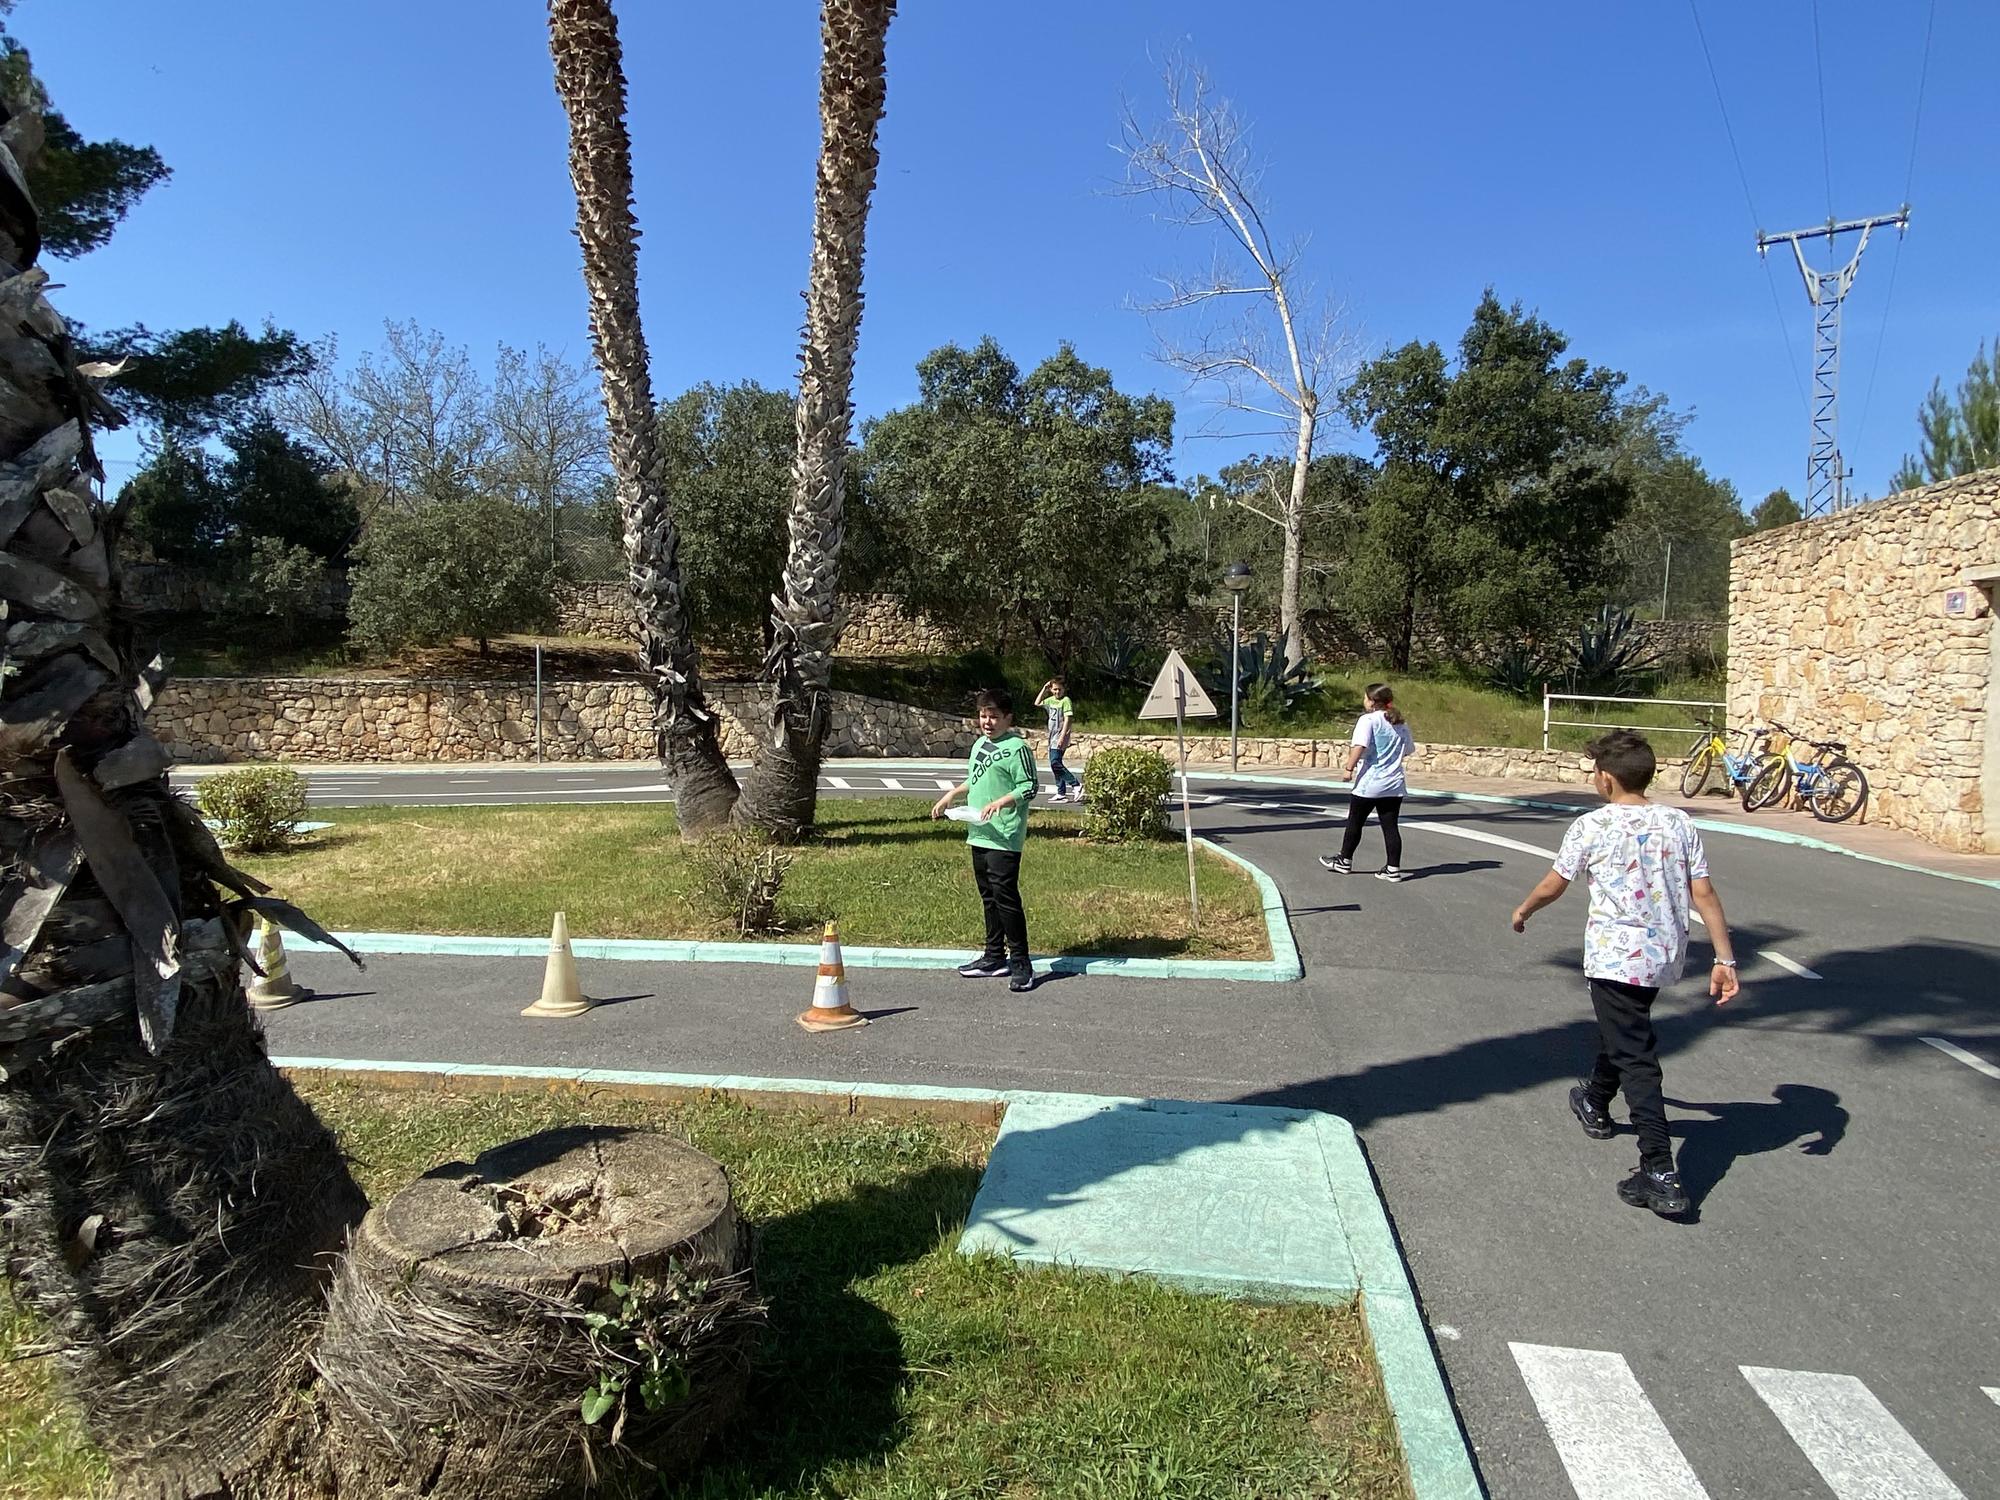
{"x": 780, "y": 793}
{"x": 168, "y": 1206}
{"x": 590, "y": 78}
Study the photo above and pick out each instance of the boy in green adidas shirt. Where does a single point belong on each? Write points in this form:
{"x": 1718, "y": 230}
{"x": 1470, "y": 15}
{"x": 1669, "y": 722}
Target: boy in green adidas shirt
{"x": 999, "y": 784}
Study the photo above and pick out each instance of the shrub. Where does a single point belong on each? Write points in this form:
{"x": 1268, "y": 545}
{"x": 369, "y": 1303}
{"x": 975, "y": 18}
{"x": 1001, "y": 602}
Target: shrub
{"x": 1124, "y": 792}
{"x": 259, "y": 808}
{"x": 1609, "y": 656}
{"x": 740, "y": 874}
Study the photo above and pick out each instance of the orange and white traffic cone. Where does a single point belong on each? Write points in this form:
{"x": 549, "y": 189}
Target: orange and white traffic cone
{"x": 830, "y": 1010}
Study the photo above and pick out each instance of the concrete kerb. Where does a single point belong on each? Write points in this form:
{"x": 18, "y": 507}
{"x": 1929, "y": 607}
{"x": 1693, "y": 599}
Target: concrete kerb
{"x": 1436, "y": 1455}
{"x": 1283, "y": 966}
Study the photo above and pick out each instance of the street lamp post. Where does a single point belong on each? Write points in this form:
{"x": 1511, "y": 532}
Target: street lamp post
{"x": 1235, "y": 578}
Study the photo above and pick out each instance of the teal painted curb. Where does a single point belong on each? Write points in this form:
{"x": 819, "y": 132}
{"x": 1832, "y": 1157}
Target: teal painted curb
{"x": 1435, "y": 1452}
{"x": 1768, "y": 835}
{"x": 1282, "y": 967}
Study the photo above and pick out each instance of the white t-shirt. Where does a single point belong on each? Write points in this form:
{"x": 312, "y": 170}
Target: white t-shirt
{"x": 1380, "y": 773}
{"x": 1641, "y": 860}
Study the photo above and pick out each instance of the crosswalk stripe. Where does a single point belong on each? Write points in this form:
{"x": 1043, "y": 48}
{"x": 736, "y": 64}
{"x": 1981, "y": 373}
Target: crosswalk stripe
{"x": 839, "y": 781}
{"x": 892, "y": 783}
{"x": 1972, "y": 1060}
{"x": 1861, "y": 1451}
{"x": 1993, "y": 1391}
{"x": 945, "y": 786}
{"x": 1612, "y": 1442}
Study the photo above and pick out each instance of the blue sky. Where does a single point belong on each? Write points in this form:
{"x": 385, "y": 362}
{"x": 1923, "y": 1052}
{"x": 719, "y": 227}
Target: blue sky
{"x": 339, "y": 165}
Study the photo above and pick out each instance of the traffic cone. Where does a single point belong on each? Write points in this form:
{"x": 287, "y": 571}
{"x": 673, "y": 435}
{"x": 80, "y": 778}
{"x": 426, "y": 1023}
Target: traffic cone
{"x": 561, "y": 994}
{"x": 830, "y": 1010}
{"x": 275, "y": 989}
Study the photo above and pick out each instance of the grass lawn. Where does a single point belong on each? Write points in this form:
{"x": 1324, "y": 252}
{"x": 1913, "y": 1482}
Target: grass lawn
{"x": 1443, "y": 709}
{"x": 895, "y": 1368}
{"x": 881, "y": 867}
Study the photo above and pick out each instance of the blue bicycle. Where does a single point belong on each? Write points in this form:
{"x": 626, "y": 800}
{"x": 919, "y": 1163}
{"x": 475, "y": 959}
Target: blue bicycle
{"x": 1739, "y": 767}
{"x": 1831, "y": 786}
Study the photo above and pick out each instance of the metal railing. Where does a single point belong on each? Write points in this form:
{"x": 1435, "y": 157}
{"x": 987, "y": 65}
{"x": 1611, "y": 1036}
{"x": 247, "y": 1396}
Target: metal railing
{"x": 1549, "y": 699}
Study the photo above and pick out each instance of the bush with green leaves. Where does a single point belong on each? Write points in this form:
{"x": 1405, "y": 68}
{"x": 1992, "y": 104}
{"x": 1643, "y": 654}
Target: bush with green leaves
{"x": 259, "y": 808}
{"x": 1269, "y": 690}
{"x": 1124, "y": 793}
{"x": 459, "y": 565}
{"x": 739, "y": 875}
{"x": 1610, "y": 656}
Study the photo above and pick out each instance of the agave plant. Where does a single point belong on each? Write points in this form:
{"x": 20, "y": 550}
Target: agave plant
{"x": 1521, "y": 669}
{"x": 1609, "y": 655}
{"x": 1114, "y": 654}
{"x": 1264, "y": 677}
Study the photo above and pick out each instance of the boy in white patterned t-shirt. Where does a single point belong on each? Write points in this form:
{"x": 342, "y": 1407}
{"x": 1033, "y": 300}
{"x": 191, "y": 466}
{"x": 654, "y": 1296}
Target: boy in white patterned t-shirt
{"x": 1646, "y": 867}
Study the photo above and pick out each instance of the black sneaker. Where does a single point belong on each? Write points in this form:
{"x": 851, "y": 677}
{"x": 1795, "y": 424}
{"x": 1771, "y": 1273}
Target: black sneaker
{"x": 1337, "y": 863}
{"x": 1593, "y": 1117}
{"x": 1021, "y": 981}
{"x": 984, "y": 968}
{"x": 1660, "y": 1191}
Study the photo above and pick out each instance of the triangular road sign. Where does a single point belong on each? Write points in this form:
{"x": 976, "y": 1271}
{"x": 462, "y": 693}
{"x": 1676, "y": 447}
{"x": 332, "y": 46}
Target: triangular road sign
{"x": 1160, "y": 698}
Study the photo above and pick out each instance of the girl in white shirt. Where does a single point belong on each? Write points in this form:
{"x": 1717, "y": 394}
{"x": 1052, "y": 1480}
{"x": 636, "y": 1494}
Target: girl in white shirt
{"x": 1381, "y": 742}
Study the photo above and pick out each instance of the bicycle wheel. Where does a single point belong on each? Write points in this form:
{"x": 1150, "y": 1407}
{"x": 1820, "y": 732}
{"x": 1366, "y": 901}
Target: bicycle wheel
{"x": 1694, "y": 775}
{"x": 1840, "y": 793}
{"x": 1768, "y": 783}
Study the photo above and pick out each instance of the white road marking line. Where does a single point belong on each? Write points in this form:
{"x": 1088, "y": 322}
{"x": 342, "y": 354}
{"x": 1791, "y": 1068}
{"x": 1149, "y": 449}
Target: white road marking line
{"x": 891, "y": 783}
{"x": 1861, "y": 1451}
{"x": 1612, "y": 1442}
{"x": 470, "y": 781}
{"x": 1972, "y": 1060}
{"x": 945, "y": 786}
{"x": 1790, "y": 966}
{"x": 1478, "y": 836}
{"x": 839, "y": 781}
{"x": 1992, "y": 1391}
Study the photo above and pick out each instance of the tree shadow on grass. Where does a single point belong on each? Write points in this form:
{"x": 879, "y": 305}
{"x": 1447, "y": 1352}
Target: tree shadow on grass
{"x": 828, "y": 1376}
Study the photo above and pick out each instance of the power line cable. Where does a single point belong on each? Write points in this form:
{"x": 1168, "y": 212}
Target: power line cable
{"x": 1825, "y": 146}
{"x": 1896, "y": 259}
{"x": 1756, "y": 219}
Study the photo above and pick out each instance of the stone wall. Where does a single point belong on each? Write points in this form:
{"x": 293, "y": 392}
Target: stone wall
{"x": 347, "y": 719}
{"x": 877, "y": 624}
{"x": 1839, "y": 627}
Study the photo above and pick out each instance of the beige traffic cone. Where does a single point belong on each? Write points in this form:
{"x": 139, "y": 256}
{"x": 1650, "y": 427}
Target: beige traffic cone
{"x": 830, "y": 1010}
{"x": 562, "y": 995}
{"x": 274, "y": 989}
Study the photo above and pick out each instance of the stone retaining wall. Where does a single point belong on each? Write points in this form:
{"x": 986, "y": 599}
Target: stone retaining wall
{"x": 347, "y": 719}
{"x": 1840, "y": 627}
{"x": 877, "y": 624}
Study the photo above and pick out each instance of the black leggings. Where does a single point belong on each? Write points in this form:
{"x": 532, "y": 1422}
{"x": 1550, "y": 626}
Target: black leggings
{"x": 1386, "y": 810}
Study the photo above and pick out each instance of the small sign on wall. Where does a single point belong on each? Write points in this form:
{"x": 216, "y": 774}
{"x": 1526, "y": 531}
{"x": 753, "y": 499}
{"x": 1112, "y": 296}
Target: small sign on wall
{"x": 1964, "y": 603}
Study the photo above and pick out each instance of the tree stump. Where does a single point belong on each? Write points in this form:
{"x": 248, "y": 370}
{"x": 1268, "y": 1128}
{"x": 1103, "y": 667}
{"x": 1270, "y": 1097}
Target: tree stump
{"x": 484, "y": 1302}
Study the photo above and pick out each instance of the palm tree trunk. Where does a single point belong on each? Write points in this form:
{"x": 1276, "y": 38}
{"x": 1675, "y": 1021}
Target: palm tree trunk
{"x": 169, "y": 1207}
{"x": 782, "y": 790}
{"x": 590, "y": 78}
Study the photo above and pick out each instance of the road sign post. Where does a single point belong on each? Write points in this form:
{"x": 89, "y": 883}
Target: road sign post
{"x": 1176, "y": 686}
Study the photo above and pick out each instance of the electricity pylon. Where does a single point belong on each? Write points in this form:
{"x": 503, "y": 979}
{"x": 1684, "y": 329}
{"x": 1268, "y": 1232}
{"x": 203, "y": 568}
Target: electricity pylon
{"x": 1826, "y": 476}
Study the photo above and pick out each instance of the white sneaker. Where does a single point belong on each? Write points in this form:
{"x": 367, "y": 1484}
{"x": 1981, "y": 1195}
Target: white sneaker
{"x": 1390, "y": 872}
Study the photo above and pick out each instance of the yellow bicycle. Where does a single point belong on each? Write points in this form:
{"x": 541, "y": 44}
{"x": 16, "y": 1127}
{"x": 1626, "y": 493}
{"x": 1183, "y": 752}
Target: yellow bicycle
{"x": 1739, "y": 767}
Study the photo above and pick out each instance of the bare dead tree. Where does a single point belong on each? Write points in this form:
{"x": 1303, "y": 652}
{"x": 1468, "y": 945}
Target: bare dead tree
{"x": 1251, "y": 333}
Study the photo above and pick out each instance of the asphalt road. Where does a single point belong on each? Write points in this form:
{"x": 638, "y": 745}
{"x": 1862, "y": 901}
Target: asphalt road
{"x": 1827, "y": 1324}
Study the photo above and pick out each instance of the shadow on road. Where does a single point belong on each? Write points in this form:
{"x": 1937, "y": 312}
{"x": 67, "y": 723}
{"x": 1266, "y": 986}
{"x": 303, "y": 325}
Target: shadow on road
{"x": 1801, "y": 1113}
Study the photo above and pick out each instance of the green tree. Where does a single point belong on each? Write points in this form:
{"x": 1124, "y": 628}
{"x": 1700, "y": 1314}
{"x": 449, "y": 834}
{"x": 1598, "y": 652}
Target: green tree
{"x": 175, "y": 504}
{"x": 1501, "y": 482}
{"x": 1957, "y": 436}
{"x": 1776, "y": 509}
{"x": 202, "y": 511}
{"x": 727, "y": 461}
{"x": 277, "y": 585}
{"x": 1236, "y": 516}
{"x": 455, "y": 566}
{"x": 1037, "y": 501}
{"x": 1672, "y": 545}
